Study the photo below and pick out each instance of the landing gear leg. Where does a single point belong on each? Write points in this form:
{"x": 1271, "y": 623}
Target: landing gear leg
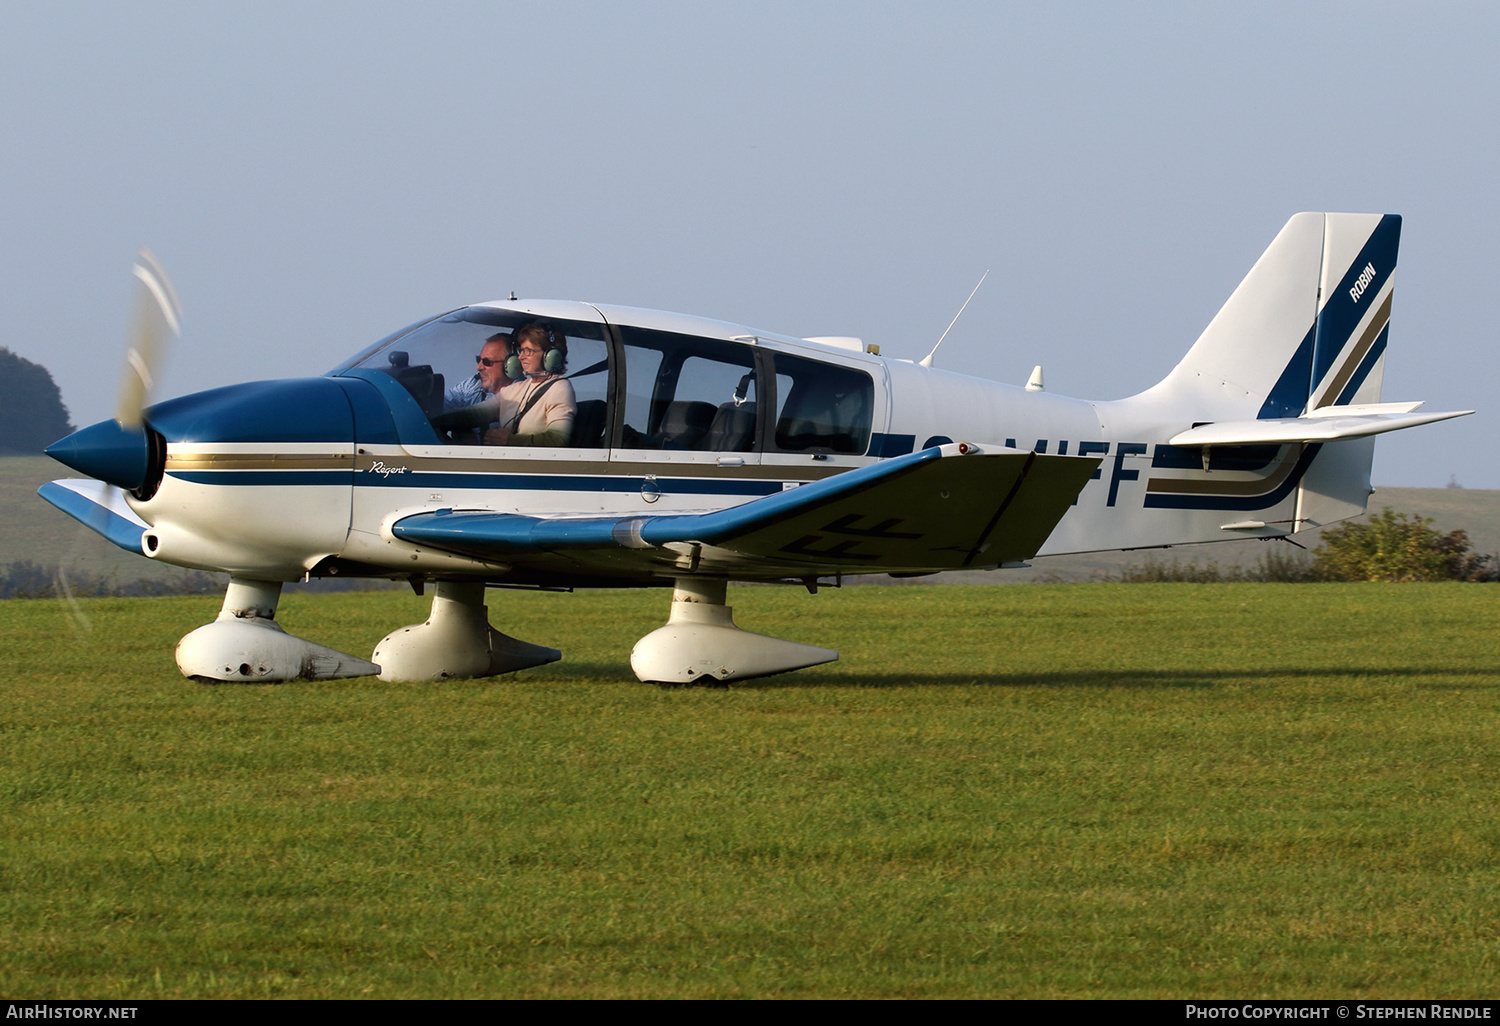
{"x": 701, "y": 642}
{"x": 456, "y": 641}
{"x": 245, "y": 643}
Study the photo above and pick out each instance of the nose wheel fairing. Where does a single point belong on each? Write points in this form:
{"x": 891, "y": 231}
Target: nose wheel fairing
{"x": 245, "y": 644}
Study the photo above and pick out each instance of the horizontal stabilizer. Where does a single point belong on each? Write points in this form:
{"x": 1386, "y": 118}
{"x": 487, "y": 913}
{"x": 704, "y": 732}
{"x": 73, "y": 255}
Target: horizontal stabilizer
{"x": 945, "y": 508}
{"x": 100, "y": 507}
{"x": 1328, "y": 424}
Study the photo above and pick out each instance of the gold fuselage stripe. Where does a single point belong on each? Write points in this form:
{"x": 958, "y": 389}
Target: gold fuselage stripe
{"x": 258, "y": 461}
{"x": 186, "y": 462}
{"x": 1200, "y": 486}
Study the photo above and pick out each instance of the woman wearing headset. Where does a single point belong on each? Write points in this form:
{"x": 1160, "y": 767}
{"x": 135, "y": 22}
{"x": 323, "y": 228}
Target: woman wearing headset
{"x": 538, "y": 408}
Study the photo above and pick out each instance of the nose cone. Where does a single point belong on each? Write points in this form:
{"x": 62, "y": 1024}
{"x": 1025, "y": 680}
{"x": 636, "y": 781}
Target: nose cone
{"x": 107, "y": 451}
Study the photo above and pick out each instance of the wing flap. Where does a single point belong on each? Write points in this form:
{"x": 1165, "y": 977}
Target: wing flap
{"x": 938, "y": 509}
{"x": 1328, "y": 424}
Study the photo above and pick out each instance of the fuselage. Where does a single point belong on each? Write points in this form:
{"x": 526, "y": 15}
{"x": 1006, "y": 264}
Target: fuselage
{"x": 280, "y": 479}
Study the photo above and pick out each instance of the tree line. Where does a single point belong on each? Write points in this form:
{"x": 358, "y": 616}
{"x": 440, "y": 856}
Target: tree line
{"x": 32, "y": 414}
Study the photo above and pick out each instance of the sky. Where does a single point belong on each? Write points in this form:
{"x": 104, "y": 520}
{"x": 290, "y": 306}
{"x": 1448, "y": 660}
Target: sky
{"x": 315, "y": 175}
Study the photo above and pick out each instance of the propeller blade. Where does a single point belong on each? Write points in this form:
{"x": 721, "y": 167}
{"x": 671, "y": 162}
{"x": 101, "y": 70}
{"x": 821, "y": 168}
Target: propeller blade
{"x": 157, "y": 317}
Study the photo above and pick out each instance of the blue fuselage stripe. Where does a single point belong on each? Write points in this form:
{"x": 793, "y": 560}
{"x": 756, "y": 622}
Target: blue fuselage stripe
{"x": 504, "y": 482}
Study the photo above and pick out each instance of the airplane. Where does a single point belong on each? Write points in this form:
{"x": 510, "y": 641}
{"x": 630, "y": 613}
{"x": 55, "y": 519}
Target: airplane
{"x": 687, "y": 453}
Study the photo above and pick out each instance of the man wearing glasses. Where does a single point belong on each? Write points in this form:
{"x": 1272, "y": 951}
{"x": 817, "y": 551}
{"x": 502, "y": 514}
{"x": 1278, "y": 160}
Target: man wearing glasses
{"x": 487, "y": 380}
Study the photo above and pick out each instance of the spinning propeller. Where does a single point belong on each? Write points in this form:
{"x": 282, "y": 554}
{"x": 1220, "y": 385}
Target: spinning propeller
{"x": 157, "y": 314}
{"x": 121, "y": 452}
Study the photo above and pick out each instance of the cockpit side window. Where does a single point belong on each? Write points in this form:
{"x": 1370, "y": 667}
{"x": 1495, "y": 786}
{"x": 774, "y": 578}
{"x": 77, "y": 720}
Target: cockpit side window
{"x": 822, "y": 407}
{"x": 484, "y": 376}
{"x": 688, "y": 393}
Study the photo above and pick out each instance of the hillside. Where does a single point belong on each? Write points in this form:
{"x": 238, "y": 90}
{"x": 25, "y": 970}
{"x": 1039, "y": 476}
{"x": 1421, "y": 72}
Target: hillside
{"x": 32, "y": 530}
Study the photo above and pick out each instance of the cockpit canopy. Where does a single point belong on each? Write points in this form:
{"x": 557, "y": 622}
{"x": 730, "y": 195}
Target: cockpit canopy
{"x": 593, "y": 385}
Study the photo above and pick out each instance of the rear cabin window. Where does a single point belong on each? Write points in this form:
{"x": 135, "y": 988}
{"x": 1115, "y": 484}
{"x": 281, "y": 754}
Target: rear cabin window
{"x": 821, "y": 407}
{"x": 688, "y": 393}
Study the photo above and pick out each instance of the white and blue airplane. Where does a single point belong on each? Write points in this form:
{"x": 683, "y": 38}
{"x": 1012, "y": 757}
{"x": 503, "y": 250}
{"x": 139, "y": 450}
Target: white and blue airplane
{"x": 688, "y": 453}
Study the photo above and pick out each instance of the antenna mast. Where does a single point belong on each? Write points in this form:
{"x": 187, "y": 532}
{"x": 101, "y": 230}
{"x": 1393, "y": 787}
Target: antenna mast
{"x": 926, "y": 361}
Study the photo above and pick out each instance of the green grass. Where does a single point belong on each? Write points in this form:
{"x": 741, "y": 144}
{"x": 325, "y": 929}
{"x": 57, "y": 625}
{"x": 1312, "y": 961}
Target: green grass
{"x": 1082, "y": 791}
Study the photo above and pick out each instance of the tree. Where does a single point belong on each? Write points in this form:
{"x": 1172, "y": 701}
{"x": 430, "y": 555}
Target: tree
{"x": 1395, "y": 547}
{"x": 32, "y": 414}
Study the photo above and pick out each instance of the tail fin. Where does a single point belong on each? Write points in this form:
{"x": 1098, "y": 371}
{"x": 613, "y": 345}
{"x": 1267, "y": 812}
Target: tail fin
{"x": 1305, "y": 329}
{"x": 1296, "y": 356}
{"x": 1267, "y": 426}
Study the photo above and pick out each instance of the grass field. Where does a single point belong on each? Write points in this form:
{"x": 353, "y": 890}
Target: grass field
{"x": 1080, "y": 791}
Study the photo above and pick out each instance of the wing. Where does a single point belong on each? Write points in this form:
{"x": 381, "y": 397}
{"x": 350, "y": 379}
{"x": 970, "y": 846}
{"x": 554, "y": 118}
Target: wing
{"x": 98, "y": 506}
{"x": 951, "y": 507}
{"x": 1327, "y": 424}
